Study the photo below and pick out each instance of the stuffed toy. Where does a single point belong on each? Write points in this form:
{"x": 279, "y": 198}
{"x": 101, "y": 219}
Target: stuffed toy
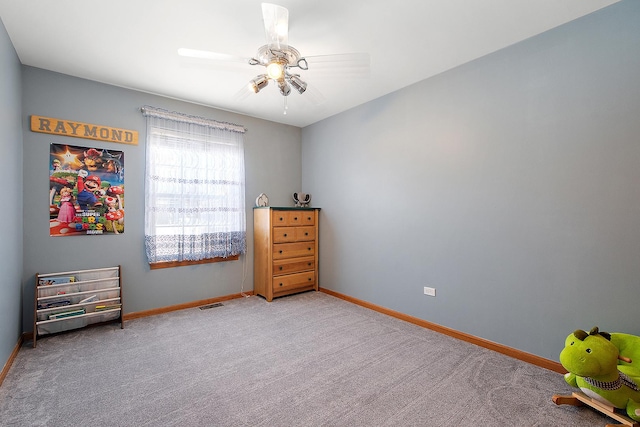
{"x": 605, "y": 367}
{"x": 302, "y": 199}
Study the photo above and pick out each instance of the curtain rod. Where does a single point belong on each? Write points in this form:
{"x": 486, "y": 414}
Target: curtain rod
{"x": 149, "y": 111}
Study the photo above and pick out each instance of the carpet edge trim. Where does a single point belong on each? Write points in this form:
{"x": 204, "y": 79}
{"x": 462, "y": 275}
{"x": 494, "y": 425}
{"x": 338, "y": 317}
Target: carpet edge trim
{"x": 472, "y": 339}
{"x": 12, "y": 357}
{"x": 192, "y": 304}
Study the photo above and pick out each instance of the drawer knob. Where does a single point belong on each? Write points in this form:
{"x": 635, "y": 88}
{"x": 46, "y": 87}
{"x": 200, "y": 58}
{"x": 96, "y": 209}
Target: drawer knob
{"x": 309, "y": 248}
{"x": 280, "y": 267}
{"x": 285, "y": 234}
{"x": 306, "y": 234}
{"x": 309, "y": 278}
{"x": 295, "y": 219}
{"x": 280, "y": 284}
{"x": 280, "y": 251}
{"x": 281, "y": 218}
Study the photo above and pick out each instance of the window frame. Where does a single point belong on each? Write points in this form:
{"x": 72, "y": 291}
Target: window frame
{"x": 203, "y": 134}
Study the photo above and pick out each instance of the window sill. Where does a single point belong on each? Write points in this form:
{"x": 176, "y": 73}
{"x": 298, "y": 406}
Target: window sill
{"x": 158, "y": 265}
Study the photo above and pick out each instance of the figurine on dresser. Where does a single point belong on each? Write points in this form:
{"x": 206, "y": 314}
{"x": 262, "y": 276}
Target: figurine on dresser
{"x": 302, "y": 200}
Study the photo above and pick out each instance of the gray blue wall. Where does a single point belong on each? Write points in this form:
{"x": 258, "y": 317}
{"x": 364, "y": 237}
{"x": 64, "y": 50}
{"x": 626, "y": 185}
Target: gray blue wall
{"x": 510, "y": 184}
{"x": 11, "y": 216}
{"x": 272, "y": 163}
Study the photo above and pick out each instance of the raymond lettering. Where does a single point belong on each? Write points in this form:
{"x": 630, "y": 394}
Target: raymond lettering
{"x": 83, "y": 130}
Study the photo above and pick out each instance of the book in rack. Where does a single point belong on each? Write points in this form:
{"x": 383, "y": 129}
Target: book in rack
{"x": 75, "y": 299}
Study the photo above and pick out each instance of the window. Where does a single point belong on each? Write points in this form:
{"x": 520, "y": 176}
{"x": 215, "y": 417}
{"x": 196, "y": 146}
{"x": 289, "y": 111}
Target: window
{"x": 194, "y": 188}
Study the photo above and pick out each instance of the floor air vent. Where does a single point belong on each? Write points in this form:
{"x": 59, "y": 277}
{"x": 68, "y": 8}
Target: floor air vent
{"x": 215, "y": 304}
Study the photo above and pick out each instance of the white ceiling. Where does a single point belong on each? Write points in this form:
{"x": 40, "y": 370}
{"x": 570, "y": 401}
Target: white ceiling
{"x": 134, "y": 43}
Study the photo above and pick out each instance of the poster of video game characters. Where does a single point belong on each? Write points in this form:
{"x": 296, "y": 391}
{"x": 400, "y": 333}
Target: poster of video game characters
{"x": 86, "y": 191}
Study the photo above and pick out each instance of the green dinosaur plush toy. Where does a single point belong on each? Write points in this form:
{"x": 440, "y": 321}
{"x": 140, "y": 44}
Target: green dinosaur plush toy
{"x": 602, "y": 366}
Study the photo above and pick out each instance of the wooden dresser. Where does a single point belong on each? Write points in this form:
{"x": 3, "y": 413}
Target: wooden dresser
{"x": 285, "y": 244}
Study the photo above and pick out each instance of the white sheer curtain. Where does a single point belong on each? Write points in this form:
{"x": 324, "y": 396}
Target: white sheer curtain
{"x": 194, "y": 188}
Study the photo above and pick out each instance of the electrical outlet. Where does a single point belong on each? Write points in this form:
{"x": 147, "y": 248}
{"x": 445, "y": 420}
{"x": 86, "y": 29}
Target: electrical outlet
{"x": 430, "y": 291}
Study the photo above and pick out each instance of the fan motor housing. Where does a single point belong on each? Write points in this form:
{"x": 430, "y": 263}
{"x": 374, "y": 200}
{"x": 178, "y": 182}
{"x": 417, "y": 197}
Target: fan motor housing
{"x": 289, "y": 55}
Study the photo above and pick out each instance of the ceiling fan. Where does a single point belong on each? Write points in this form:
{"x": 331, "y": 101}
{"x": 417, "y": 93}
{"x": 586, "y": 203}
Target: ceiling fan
{"x": 282, "y": 61}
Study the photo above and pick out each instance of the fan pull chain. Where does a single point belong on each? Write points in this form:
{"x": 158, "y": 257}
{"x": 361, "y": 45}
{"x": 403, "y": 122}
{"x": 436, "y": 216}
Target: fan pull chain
{"x": 286, "y": 107}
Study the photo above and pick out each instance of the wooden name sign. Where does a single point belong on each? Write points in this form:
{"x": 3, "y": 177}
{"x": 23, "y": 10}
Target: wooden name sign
{"x": 83, "y": 130}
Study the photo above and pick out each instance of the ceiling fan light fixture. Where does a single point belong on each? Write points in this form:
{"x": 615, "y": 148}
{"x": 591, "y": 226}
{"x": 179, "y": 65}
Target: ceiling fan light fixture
{"x": 285, "y": 89}
{"x": 275, "y": 70}
{"x": 297, "y": 83}
{"x": 258, "y": 83}
{"x": 279, "y": 59}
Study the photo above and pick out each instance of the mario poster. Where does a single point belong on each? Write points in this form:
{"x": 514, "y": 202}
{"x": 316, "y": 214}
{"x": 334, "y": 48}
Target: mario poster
{"x": 86, "y": 191}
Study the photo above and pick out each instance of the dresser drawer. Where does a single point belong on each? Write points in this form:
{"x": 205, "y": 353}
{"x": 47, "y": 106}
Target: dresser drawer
{"x": 295, "y": 265}
{"x": 293, "y": 234}
{"x": 288, "y": 218}
{"x": 294, "y": 281}
{"x": 293, "y": 250}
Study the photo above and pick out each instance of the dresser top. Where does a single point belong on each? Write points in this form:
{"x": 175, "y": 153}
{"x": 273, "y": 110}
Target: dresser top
{"x": 286, "y": 208}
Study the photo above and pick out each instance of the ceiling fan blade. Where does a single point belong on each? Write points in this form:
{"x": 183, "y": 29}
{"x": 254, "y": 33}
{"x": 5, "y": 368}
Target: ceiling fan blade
{"x": 357, "y": 60}
{"x": 205, "y": 54}
{"x": 344, "y": 64}
{"x": 276, "y": 25}
{"x": 242, "y": 94}
{"x": 313, "y": 95}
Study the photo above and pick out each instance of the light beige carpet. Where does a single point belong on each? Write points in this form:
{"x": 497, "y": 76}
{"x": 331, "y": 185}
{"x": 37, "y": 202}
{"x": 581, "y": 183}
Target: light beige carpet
{"x": 304, "y": 360}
